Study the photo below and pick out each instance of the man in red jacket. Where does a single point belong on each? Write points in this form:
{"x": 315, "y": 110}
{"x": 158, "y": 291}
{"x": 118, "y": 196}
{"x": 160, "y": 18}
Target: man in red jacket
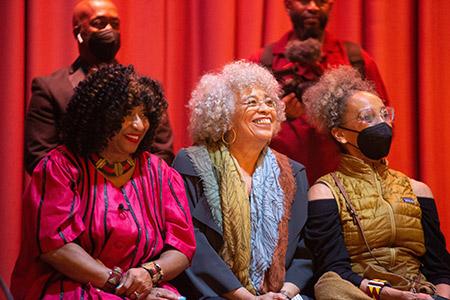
{"x": 297, "y": 139}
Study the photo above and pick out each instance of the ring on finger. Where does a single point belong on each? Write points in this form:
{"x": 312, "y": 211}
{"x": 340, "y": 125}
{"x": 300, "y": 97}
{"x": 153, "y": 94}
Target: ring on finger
{"x": 158, "y": 294}
{"x": 136, "y": 294}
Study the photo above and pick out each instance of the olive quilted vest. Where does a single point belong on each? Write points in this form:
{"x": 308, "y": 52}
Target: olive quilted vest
{"x": 388, "y": 210}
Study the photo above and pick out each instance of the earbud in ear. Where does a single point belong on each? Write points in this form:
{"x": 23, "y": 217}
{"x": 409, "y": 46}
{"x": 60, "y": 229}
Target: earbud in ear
{"x": 79, "y": 38}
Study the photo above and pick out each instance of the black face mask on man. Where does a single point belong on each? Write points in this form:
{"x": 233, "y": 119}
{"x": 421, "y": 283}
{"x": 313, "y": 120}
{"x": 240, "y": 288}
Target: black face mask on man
{"x": 103, "y": 44}
{"x": 374, "y": 141}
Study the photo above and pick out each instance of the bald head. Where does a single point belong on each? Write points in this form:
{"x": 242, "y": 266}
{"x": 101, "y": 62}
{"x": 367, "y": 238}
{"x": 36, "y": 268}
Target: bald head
{"x": 89, "y": 9}
{"x": 96, "y": 26}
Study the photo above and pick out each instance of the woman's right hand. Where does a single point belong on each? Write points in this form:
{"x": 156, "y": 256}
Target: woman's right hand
{"x": 388, "y": 293}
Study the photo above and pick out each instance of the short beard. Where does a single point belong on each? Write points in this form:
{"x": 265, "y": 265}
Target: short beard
{"x": 305, "y": 33}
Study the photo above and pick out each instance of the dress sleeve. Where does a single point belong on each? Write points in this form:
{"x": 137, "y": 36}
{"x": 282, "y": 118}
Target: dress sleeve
{"x": 324, "y": 238}
{"x": 178, "y": 222}
{"x": 436, "y": 260}
{"x": 209, "y": 275}
{"x": 52, "y": 208}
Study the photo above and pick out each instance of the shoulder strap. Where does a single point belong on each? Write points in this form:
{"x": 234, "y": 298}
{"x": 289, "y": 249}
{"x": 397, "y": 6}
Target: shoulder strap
{"x": 354, "y": 54}
{"x": 358, "y": 223}
{"x": 354, "y": 215}
{"x": 267, "y": 56}
{"x": 350, "y": 208}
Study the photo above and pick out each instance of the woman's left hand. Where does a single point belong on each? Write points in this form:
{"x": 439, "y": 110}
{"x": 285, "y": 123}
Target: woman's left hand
{"x": 136, "y": 283}
{"x": 162, "y": 294}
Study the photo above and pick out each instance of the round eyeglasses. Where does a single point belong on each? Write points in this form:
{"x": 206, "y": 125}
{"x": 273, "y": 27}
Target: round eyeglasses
{"x": 253, "y": 103}
{"x": 369, "y": 116}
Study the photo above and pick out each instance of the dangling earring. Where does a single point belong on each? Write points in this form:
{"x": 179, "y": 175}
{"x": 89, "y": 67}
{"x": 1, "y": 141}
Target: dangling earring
{"x": 228, "y": 143}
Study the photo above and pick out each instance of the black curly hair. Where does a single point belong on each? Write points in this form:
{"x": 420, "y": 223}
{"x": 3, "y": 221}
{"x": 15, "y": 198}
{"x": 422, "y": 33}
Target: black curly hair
{"x": 97, "y": 109}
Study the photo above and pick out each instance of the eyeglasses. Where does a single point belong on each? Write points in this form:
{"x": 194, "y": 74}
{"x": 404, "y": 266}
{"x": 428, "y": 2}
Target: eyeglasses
{"x": 253, "y": 102}
{"x": 369, "y": 116}
{"x": 318, "y": 2}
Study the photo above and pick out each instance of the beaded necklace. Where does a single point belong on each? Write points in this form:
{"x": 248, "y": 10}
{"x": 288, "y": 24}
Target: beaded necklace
{"x": 105, "y": 167}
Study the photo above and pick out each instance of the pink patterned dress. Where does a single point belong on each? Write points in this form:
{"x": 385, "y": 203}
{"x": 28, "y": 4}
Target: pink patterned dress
{"x": 68, "y": 200}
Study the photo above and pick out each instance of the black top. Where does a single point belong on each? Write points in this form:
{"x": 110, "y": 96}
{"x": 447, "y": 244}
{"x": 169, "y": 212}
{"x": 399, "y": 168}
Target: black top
{"x": 209, "y": 276}
{"x": 323, "y": 236}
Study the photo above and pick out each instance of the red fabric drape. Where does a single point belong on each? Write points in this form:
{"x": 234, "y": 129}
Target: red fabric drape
{"x": 12, "y": 87}
{"x": 433, "y": 75}
{"x": 176, "y": 41}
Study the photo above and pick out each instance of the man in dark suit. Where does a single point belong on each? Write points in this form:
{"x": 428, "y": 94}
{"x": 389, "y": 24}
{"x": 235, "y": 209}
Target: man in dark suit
{"x": 96, "y": 27}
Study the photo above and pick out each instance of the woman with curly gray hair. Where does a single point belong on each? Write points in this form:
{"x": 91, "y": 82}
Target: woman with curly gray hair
{"x": 248, "y": 201}
{"x": 373, "y": 231}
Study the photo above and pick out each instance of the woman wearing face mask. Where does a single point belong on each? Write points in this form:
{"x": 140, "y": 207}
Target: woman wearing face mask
{"x": 373, "y": 231}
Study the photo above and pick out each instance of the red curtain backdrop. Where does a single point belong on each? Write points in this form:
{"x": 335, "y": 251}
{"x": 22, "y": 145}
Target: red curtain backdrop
{"x": 176, "y": 41}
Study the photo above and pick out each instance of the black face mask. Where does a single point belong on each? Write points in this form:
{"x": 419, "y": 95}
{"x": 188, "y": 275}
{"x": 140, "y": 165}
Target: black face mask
{"x": 104, "y": 44}
{"x": 374, "y": 141}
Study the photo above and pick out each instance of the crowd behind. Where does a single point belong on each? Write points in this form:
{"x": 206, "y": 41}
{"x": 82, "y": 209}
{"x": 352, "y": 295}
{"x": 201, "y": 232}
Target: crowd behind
{"x": 285, "y": 193}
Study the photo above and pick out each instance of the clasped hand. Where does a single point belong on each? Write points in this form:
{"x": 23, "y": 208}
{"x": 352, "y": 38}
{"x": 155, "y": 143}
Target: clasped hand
{"x": 137, "y": 284}
{"x": 391, "y": 293}
{"x": 294, "y": 108}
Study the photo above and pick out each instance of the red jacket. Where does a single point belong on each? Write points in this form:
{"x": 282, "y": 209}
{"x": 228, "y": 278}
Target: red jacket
{"x": 297, "y": 139}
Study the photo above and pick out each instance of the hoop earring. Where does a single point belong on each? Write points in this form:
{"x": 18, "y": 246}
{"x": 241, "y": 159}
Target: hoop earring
{"x": 228, "y": 143}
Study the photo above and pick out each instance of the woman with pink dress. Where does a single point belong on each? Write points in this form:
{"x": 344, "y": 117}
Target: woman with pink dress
{"x": 102, "y": 217}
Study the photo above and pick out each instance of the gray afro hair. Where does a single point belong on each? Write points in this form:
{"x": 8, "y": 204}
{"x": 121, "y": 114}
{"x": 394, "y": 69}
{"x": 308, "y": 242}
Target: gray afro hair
{"x": 325, "y": 102}
{"x": 213, "y": 100}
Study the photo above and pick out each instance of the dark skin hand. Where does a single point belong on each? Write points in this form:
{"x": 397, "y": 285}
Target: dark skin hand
{"x": 75, "y": 263}
{"x": 138, "y": 280}
{"x": 294, "y": 108}
{"x": 158, "y": 293}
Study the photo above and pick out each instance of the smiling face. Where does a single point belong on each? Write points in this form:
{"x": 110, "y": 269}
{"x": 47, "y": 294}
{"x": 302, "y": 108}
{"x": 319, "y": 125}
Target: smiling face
{"x": 126, "y": 141}
{"x": 255, "y": 118}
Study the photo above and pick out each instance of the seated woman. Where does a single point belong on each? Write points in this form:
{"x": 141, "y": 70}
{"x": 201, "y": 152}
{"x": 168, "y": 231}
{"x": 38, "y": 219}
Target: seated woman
{"x": 102, "y": 218}
{"x": 369, "y": 227}
{"x": 248, "y": 202}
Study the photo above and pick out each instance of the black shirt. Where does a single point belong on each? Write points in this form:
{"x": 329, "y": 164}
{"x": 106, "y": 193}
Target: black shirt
{"x": 324, "y": 238}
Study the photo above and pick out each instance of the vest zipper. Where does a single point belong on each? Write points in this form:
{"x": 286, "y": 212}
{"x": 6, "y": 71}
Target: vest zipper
{"x": 391, "y": 213}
